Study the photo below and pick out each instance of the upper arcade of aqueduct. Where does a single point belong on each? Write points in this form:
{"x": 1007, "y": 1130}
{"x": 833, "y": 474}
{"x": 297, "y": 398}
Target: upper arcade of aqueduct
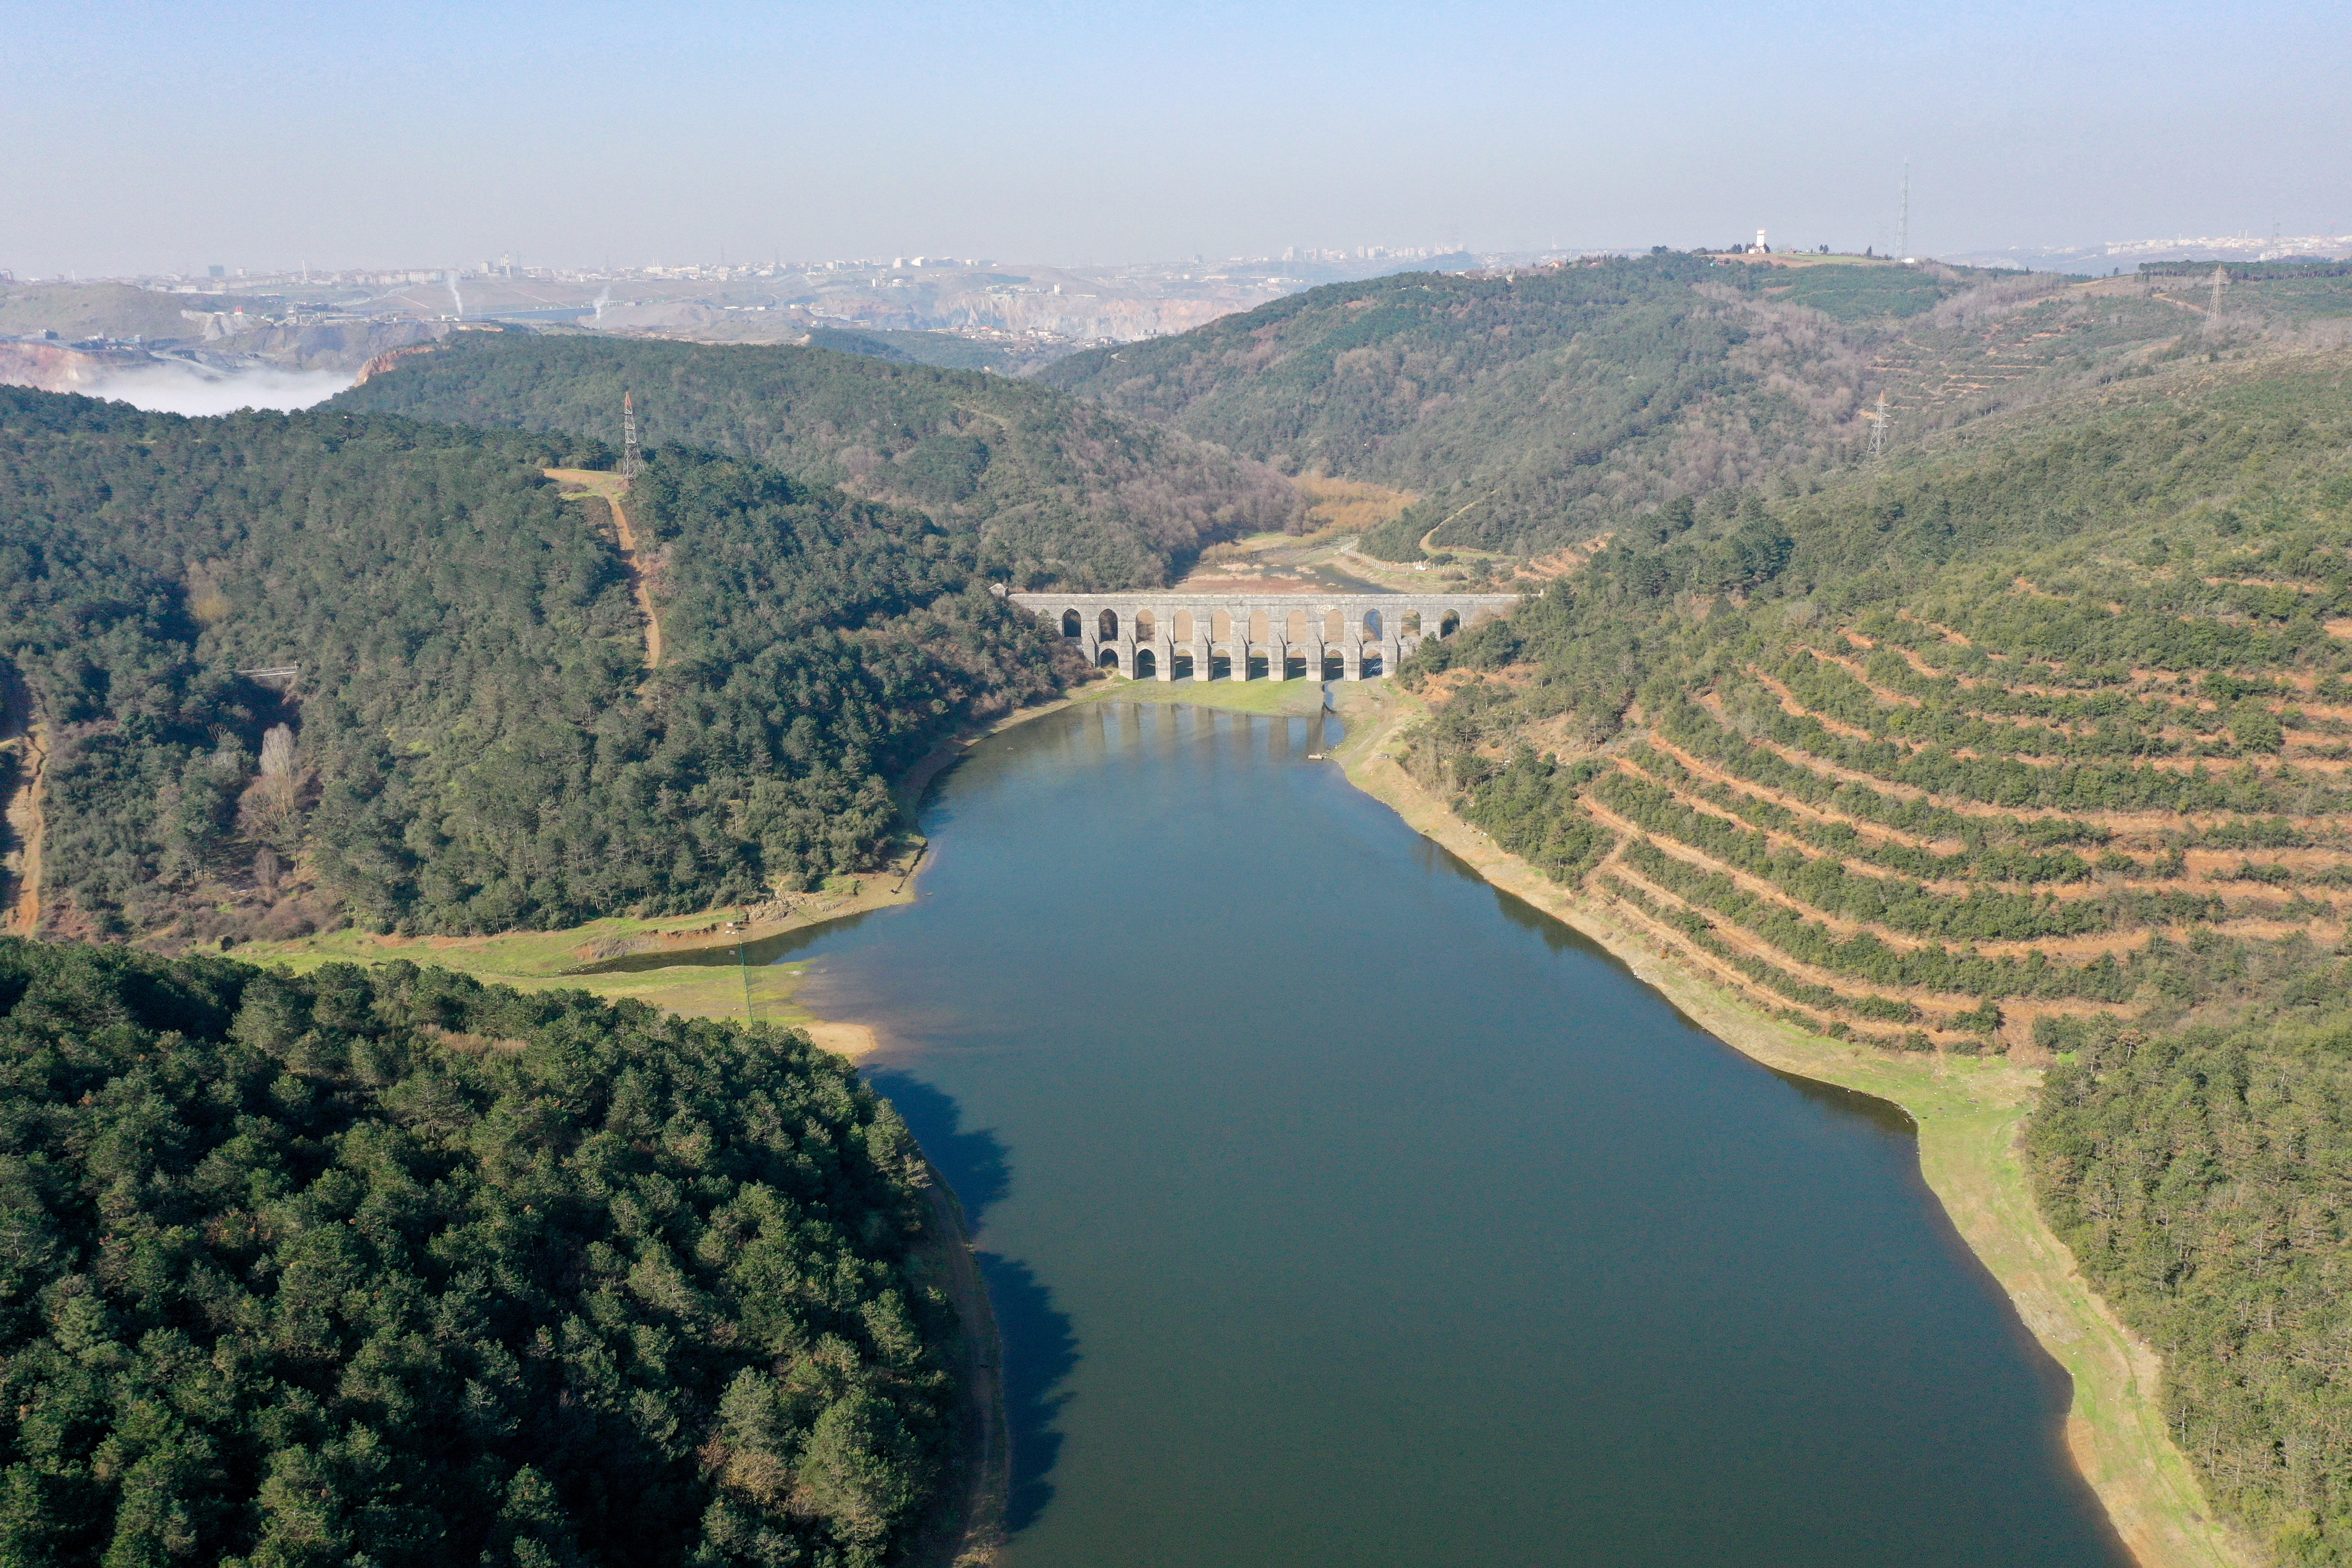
{"x": 1167, "y": 635}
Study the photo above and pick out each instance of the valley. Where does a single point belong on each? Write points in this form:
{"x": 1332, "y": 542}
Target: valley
{"x": 1989, "y": 758}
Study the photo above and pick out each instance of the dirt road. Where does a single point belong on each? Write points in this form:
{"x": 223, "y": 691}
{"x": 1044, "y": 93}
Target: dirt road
{"x": 27, "y": 741}
{"x": 610, "y": 488}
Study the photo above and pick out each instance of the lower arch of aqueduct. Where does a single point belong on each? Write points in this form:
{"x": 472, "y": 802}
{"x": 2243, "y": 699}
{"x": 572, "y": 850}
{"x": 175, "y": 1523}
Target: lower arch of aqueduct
{"x": 1148, "y": 636}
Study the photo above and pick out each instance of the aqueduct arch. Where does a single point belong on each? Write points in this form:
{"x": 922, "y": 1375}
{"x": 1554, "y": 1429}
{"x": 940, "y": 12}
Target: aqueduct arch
{"x": 1151, "y": 636}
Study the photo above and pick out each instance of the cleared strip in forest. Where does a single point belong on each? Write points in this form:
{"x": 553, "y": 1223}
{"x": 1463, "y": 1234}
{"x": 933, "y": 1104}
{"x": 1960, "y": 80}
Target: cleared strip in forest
{"x": 2091, "y": 946}
{"x": 2144, "y": 683}
{"x": 27, "y": 822}
{"x": 610, "y": 488}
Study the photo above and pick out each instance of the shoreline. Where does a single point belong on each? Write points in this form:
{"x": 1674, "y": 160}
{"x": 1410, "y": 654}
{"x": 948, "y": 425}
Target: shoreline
{"x": 967, "y": 1526}
{"x": 1969, "y": 1112}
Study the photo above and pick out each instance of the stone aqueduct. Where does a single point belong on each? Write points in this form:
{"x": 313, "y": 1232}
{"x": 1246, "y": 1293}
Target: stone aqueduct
{"x": 1167, "y": 635}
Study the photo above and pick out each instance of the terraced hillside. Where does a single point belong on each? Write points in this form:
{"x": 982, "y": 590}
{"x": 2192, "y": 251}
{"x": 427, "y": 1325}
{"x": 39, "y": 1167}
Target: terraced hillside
{"x": 2037, "y": 740}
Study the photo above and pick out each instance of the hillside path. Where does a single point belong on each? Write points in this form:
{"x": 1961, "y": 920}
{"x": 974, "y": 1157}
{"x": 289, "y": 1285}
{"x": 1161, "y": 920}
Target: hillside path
{"x": 22, "y": 736}
{"x": 611, "y": 488}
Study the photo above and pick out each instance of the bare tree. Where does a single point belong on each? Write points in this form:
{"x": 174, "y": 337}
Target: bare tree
{"x": 277, "y": 768}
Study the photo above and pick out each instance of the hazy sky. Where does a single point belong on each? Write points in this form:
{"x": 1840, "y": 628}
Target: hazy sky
{"x": 158, "y": 137}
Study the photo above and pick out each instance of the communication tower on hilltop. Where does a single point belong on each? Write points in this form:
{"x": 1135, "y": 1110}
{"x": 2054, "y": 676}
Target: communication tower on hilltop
{"x": 630, "y": 462}
{"x": 1903, "y": 224}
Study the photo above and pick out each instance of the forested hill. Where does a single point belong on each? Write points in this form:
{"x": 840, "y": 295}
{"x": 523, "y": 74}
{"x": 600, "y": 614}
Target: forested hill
{"x": 473, "y": 742}
{"x": 1529, "y": 410}
{"x": 2036, "y": 738}
{"x": 1533, "y": 411}
{"x": 1053, "y": 488}
{"x": 389, "y": 1267}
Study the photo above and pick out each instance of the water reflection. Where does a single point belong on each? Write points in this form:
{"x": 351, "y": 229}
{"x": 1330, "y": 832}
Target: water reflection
{"x": 1040, "y": 1344}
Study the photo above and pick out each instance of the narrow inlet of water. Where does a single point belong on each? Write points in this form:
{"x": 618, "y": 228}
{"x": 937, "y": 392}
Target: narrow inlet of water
{"x": 1340, "y": 1209}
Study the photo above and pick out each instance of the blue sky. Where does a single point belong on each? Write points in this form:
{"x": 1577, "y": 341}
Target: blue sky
{"x": 161, "y": 136}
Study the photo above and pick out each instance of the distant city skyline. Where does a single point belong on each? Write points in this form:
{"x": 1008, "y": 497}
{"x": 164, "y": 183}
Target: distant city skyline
{"x": 579, "y": 136}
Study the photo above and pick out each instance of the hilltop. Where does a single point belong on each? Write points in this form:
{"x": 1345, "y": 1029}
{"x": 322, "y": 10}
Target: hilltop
{"x": 1050, "y": 487}
{"x": 1528, "y": 409}
{"x": 93, "y": 311}
{"x": 1536, "y": 410}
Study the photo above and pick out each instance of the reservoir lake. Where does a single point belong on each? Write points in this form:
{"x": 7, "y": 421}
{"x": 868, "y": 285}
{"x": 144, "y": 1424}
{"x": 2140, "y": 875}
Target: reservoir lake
{"x": 1338, "y": 1208}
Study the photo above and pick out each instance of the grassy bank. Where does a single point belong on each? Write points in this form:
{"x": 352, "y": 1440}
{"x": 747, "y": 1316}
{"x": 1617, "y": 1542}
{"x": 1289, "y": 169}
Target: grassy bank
{"x": 1969, "y": 1111}
{"x": 1274, "y": 698}
{"x": 533, "y": 961}
{"x": 541, "y": 960}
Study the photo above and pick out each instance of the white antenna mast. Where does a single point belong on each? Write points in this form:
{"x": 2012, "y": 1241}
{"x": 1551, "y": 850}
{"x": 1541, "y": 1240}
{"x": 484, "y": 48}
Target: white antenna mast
{"x": 1902, "y": 226}
{"x": 630, "y": 465}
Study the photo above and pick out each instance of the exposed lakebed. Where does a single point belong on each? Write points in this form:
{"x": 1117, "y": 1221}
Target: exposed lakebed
{"x": 1340, "y": 1209}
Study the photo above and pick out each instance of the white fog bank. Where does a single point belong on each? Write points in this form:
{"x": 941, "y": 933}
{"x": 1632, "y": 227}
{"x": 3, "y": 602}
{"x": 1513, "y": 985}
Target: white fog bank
{"x": 166, "y": 390}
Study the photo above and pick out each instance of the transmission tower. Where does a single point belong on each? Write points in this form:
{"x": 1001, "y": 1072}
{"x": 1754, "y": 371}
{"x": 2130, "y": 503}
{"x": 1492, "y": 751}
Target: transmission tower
{"x": 1903, "y": 225}
{"x": 2213, "y": 310}
{"x": 1877, "y": 426}
{"x": 630, "y": 462}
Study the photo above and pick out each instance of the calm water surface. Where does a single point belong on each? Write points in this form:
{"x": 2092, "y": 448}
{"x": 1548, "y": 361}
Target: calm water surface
{"x": 1341, "y": 1210}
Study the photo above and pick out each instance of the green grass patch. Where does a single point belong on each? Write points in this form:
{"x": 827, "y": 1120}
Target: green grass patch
{"x": 1275, "y": 699}
{"x": 538, "y": 960}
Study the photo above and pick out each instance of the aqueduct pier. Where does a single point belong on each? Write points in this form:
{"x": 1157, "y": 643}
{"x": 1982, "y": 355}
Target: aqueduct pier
{"x": 1344, "y": 636}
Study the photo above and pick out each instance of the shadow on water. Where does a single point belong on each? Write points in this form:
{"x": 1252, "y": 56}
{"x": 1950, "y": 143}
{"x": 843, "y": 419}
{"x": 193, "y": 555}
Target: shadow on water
{"x": 1041, "y": 1346}
{"x": 973, "y": 1163}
